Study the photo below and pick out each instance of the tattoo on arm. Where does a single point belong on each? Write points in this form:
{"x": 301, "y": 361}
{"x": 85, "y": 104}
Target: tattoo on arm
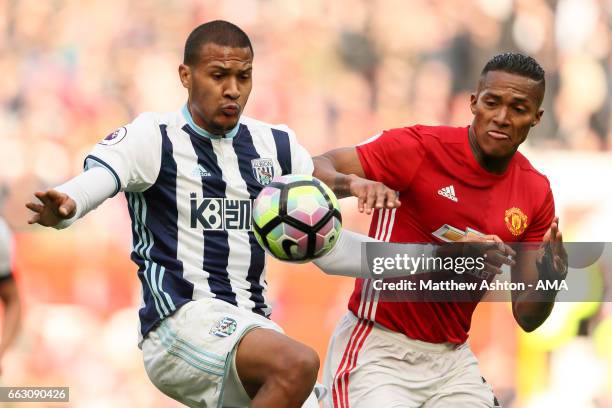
{"x": 341, "y": 186}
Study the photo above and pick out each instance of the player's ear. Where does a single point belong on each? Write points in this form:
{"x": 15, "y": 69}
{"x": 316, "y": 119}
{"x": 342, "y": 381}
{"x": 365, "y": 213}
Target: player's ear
{"x": 185, "y": 75}
{"x": 473, "y": 100}
{"x": 539, "y": 114}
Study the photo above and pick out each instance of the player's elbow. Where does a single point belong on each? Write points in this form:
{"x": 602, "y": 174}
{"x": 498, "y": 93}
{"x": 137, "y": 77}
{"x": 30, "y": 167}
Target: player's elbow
{"x": 527, "y": 320}
{"x": 528, "y": 326}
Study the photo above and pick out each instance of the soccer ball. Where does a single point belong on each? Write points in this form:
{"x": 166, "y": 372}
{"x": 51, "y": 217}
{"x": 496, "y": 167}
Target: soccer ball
{"x": 296, "y": 218}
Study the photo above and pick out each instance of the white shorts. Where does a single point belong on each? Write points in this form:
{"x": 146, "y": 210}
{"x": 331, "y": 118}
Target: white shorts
{"x": 368, "y": 365}
{"x": 190, "y": 356}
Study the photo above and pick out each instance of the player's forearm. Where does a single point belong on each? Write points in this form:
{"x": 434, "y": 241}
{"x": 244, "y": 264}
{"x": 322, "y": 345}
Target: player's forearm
{"x": 532, "y": 306}
{"x": 88, "y": 190}
{"x": 325, "y": 170}
{"x": 345, "y": 259}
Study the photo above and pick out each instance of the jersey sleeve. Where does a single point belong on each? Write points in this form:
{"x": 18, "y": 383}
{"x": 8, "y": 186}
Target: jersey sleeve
{"x": 301, "y": 160}
{"x": 393, "y": 157}
{"x": 541, "y": 220}
{"x": 132, "y": 154}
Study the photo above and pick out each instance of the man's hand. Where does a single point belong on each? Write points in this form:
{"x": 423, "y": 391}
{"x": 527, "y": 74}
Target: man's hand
{"x": 372, "y": 194}
{"x": 491, "y": 247}
{"x": 341, "y": 170}
{"x": 532, "y": 307}
{"x": 55, "y": 207}
{"x": 552, "y": 263}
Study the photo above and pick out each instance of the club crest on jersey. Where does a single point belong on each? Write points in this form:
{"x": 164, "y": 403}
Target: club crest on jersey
{"x": 114, "y": 137}
{"x": 263, "y": 170}
{"x": 515, "y": 220}
{"x": 224, "y": 327}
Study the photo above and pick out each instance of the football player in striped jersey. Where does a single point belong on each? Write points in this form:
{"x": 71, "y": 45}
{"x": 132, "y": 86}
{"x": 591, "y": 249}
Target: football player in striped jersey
{"x": 190, "y": 178}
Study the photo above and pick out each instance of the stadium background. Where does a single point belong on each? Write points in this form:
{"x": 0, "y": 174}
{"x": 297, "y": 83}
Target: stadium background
{"x": 337, "y": 72}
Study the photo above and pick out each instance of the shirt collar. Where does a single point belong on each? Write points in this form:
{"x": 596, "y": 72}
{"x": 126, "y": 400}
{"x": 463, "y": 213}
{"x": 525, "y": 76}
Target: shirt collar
{"x": 202, "y": 132}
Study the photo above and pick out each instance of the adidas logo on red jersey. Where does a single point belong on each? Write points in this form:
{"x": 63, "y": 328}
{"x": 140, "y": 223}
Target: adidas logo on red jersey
{"x": 448, "y": 192}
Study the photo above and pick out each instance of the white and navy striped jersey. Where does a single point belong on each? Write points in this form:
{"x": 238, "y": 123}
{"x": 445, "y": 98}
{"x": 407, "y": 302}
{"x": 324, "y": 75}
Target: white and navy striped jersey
{"x": 190, "y": 195}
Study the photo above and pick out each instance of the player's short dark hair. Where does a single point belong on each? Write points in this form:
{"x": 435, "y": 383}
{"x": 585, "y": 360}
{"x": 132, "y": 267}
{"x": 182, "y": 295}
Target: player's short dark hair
{"x": 217, "y": 32}
{"x": 515, "y": 63}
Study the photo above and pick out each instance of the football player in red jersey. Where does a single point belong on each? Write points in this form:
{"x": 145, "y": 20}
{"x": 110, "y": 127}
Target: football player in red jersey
{"x": 449, "y": 180}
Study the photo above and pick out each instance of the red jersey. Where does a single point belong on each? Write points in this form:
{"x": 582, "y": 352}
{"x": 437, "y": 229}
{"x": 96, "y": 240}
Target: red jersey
{"x": 440, "y": 182}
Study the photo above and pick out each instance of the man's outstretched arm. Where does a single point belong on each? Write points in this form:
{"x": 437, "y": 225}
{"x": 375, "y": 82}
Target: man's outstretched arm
{"x": 342, "y": 171}
{"x": 61, "y": 206}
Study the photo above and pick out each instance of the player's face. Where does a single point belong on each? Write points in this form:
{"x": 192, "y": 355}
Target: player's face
{"x": 505, "y": 107}
{"x": 219, "y": 85}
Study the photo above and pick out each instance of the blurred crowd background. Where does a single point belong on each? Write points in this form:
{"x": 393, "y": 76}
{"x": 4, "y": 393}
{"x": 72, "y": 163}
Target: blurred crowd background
{"x": 337, "y": 72}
